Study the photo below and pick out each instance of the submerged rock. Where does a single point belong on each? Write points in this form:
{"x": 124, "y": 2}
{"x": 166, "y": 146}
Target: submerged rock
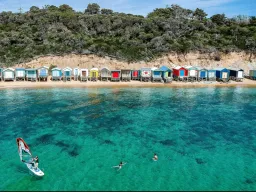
{"x": 200, "y": 161}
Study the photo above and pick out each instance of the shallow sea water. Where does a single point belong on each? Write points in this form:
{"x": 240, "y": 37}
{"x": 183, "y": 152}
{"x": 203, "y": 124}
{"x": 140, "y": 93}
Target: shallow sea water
{"x": 205, "y": 138}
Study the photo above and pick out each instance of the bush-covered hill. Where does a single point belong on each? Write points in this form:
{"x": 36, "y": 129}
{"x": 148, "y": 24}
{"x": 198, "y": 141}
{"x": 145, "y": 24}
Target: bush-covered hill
{"x": 61, "y": 30}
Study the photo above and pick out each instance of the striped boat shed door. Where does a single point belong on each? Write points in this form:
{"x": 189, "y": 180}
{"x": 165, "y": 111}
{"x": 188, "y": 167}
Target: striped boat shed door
{"x": 182, "y": 73}
{"x": 94, "y": 74}
{"x": 56, "y": 73}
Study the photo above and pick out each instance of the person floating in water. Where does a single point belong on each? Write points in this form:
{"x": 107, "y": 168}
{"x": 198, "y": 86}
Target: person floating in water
{"x": 155, "y": 158}
{"x": 119, "y": 166}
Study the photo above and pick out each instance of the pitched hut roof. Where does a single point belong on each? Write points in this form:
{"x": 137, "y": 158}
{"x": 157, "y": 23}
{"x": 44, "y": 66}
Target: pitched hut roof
{"x": 56, "y": 68}
{"x": 219, "y": 68}
{"x": 105, "y": 68}
{"x": 67, "y": 69}
{"x": 9, "y": 69}
{"x": 43, "y": 67}
{"x": 235, "y": 69}
{"x": 164, "y": 68}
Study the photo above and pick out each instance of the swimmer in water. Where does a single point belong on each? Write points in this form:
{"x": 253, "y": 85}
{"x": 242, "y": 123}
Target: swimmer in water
{"x": 119, "y": 166}
{"x": 155, "y": 158}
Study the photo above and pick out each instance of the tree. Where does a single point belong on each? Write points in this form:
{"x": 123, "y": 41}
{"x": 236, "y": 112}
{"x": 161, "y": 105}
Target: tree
{"x": 34, "y": 9}
{"x": 106, "y": 11}
{"x": 251, "y": 46}
{"x": 160, "y": 12}
{"x": 219, "y": 19}
{"x": 252, "y": 20}
{"x": 93, "y": 8}
{"x": 199, "y": 14}
{"x": 65, "y": 8}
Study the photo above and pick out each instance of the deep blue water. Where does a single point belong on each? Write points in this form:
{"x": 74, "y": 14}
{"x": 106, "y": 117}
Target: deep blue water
{"x": 204, "y": 137}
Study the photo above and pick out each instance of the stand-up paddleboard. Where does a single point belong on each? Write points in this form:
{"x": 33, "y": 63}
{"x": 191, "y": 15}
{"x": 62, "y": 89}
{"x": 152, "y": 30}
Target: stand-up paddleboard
{"x": 26, "y": 157}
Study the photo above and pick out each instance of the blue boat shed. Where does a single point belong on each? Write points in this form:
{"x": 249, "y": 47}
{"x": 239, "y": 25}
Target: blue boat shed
{"x": 166, "y": 74}
{"x": 56, "y": 74}
{"x": 222, "y": 74}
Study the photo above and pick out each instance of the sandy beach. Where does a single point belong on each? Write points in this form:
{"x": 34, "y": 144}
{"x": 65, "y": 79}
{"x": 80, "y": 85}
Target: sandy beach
{"x": 100, "y": 84}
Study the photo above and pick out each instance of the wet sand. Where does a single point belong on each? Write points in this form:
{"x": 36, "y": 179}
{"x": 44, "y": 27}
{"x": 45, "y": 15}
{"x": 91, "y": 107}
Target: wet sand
{"x": 136, "y": 84}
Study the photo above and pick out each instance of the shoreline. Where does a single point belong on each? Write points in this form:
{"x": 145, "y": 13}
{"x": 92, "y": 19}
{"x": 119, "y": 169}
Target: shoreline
{"x": 131, "y": 84}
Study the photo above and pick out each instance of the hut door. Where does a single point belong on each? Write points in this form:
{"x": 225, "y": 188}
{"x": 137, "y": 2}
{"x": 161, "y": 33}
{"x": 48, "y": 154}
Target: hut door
{"x": 182, "y": 73}
{"x": 202, "y": 74}
{"x": 43, "y": 72}
{"x": 115, "y": 74}
{"x": 224, "y": 75}
{"x": 240, "y": 74}
{"x": 135, "y": 73}
{"x": 211, "y": 74}
{"x": 193, "y": 73}
{"x": 20, "y": 74}
{"x": 55, "y": 73}
{"x": 30, "y": 73}
{"x": 8, "y": 74}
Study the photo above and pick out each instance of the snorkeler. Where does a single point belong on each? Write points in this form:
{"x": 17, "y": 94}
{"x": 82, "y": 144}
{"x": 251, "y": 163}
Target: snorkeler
{"x": 155, "y": 158}
{"x": 119, "y": 166}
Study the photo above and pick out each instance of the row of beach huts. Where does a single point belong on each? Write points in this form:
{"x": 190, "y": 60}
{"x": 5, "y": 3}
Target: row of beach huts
{"x": 162, "y": 74}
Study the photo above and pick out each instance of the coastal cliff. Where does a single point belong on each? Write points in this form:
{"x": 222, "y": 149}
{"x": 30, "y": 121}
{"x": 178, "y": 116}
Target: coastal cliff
{"x": 241, "y": 60}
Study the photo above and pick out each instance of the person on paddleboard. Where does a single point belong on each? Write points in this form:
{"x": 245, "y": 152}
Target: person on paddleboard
{"x": 35, "y": 161}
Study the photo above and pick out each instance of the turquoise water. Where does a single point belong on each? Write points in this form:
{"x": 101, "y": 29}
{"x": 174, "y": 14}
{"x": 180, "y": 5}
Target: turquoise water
{"x": 205, "y": 138}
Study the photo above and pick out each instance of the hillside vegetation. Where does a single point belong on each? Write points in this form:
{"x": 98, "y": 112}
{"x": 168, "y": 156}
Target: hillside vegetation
{"x": 60, "y": 30}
